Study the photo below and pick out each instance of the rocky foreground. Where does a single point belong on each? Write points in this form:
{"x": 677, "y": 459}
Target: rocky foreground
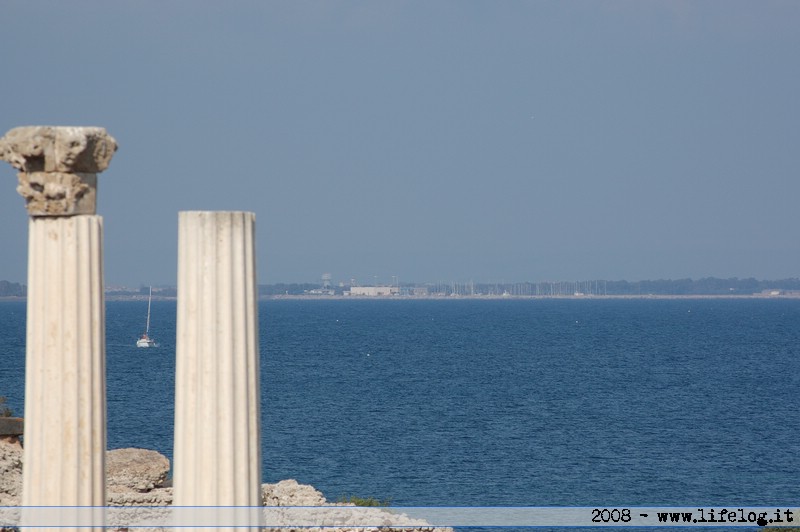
{"x": 138, "y": 477}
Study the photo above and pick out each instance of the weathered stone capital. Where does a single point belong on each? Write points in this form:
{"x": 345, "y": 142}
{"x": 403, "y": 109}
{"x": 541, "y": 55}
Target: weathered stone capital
{"x": 58, "y": 149}
{"x": 59, "y": 166}
{"x": 58, "y": 193}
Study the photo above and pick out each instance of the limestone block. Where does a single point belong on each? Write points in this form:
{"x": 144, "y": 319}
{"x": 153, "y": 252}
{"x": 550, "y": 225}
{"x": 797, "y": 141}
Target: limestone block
{"x": 139, "y": 470}
{"x": 154, "y": 497}
{"x": 291, "y": 493}
{"x": 123, "y": 465}
{"x": 10, "y": 470}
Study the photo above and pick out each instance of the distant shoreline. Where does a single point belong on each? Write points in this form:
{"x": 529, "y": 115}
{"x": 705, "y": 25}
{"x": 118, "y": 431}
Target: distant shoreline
{"x": 510, "y": 297}
{"x": 462, "y": 297}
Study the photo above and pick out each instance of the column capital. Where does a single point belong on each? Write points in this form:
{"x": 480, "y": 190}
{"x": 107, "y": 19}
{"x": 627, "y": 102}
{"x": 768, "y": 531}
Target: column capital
{"x": 58, "y": 166}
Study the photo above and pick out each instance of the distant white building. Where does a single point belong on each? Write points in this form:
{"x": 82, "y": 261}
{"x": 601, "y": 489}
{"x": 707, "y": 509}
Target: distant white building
{"x": 373, "y": 291}
{"x": 321, "y": 292}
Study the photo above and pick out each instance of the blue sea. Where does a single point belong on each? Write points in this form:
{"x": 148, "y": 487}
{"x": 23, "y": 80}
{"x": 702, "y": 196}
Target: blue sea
{"x": 493, "y": 402}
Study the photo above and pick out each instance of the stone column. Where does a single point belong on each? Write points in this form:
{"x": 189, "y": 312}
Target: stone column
{"x": 217, "y": 452}
{"x": 65, "y": 395}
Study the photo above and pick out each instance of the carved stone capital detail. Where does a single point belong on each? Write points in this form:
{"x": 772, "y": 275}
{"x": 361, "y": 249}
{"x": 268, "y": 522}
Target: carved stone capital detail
{"x": 59, "y": 166}
{"x": 58, "y": 193}
{"x": 58, "y": 149}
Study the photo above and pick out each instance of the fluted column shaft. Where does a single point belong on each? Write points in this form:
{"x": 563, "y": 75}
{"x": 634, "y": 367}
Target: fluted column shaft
{"x": 65, "y": 374}
{"x": 65, "y": 398}
{"x": 217, "y": 452}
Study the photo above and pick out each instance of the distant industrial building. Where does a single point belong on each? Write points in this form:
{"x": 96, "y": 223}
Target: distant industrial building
{"x": 373, "y": 291}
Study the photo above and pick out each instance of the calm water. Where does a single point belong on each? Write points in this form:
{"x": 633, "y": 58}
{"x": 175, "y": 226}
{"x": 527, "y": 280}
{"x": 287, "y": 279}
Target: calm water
{"x": 549, "y": 402}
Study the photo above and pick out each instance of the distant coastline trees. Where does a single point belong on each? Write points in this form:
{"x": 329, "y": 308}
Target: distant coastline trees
{"x": 8, "y": 289}
{"x": 705, "y": 286}
{"x": 286, "y": 289}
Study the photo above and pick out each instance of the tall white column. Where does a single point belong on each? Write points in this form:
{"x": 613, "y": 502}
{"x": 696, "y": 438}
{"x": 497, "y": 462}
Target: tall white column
{"x": 65, "y": 395}
{"x": 65, "y": 407}
{"x": 217, "y": 454}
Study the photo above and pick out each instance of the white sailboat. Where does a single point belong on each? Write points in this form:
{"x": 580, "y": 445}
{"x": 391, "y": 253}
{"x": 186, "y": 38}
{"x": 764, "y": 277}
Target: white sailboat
{"x": 145, "y": 340}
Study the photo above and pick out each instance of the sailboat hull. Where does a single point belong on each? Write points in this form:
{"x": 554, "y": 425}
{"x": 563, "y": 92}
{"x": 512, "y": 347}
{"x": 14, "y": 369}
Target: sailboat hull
{"x": 145, "y": 342}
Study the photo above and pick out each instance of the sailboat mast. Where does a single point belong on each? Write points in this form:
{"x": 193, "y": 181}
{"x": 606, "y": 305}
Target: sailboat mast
{"x": 149, "y": 299}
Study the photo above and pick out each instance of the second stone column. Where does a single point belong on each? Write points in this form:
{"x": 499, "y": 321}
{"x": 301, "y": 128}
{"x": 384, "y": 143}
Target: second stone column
{"x": 217, "y": 457}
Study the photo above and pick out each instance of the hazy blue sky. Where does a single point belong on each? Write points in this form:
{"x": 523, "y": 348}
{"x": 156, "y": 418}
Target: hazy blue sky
{"x": 431, "y": 140}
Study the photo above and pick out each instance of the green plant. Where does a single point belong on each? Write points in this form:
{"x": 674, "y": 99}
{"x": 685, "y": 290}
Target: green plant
{"x": 361, "y": 501}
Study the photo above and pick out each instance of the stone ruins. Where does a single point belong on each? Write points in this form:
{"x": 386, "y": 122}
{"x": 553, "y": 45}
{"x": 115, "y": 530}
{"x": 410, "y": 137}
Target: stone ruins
{"x": 217, "y": 450}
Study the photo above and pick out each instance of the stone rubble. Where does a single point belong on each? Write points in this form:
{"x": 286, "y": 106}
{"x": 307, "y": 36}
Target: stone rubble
{"x": 291, "y": 493}
{"x": 139, "y": 477}
{"x": 139, "y": 470}
{"x": 10, "y": 471}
